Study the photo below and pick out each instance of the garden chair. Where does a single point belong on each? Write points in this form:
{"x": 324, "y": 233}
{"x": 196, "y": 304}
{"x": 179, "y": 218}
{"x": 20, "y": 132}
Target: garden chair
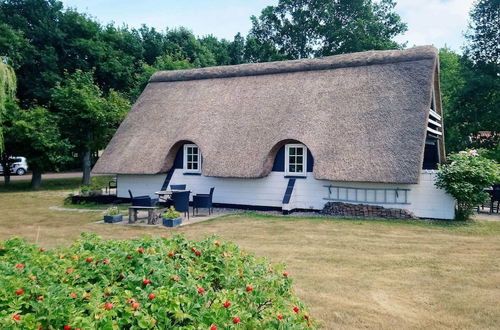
{"x": 495, "y": 198}
{"x": 204, "y": 201}
{"x": 142, "y": 200}
{"x": 180, "y": 201}
{"x": 178, "y": 187}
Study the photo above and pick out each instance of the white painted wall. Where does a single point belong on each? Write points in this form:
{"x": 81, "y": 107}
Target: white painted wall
{"x": 425, "y": 200}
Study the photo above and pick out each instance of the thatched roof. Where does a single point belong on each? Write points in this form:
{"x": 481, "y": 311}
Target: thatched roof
{"x": 363, "y": 117}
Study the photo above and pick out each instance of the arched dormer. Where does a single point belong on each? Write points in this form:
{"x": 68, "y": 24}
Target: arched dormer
{"x": 185, "y": 155}
{"x": 293, "y": 158}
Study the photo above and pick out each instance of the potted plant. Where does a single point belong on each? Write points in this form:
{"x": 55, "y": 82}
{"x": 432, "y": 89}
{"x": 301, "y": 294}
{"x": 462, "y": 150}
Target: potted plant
{"x": 172, "y": 218}
{"x": 112, "y": 215}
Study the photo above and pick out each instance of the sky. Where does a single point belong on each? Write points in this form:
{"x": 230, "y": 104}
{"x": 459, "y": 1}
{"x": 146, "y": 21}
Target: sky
{"x": 430, "y": 22}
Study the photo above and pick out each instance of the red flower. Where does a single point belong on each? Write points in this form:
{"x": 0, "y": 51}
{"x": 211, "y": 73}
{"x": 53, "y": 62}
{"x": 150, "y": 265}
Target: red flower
{"x": 67, "y": 327}
{"x": 135, "y": 306}
{"x": 296, "y": 309}
{"x": 20, "y": 266}
{"x": 306, "y": 317}
{"x": 201, "y": 291}
{"x": 280, "y": 317}
{"x": 19, "y": 292}
{"x": 42, "y": 250}
{"x": 151, "y": 296}
{"x": 16, "y": 317}
{"x": 106, "y": 261}
{"x": 171, "y": 253}
{"x": 249, "y": 288}
{"x": 198, "y": 253}
{"x": 146, "y": 281}
{"x": 69, "y": 270}
{"x": 39, "y": 298}
{"x": 236, "y": 320}
{"x": 285, "y": 274}
{"x": 140, "y": 250}
{"x": 227, "y": 304}
{"x": 129, "y": 257}
{"x": 88, "y": 259}
{"x": 213, "y": 327}
{"x": 108, "y": 306}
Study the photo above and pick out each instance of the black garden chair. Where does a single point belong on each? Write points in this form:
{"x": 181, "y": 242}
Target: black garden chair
{"x": 142, "y": 200}
{"x": 178, "y": 187}
{"x": 495, "y": 198}
{"x": 203, "y": 201}
{"x": 180, "y": 201}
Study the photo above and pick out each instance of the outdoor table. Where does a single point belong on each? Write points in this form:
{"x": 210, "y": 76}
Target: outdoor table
{"x": 152, "y": 214}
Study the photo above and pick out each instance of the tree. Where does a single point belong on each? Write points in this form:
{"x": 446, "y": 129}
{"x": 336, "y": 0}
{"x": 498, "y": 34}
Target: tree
{"x": 465, "y": 178}
{"x": 34, "y": 133}
{"x": 307, "y": 28}
{"x": 452, "y": 82}
{"x": 88, "y": 119}
{"x": 165, "y": 62}
{"x": 484, "y": 32}
{"x": 7, "y": 91}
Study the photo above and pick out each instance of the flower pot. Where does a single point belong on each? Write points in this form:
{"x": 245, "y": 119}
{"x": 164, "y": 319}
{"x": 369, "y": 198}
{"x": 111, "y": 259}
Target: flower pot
{"x": 172, "y": 222}
{"x": 113, "y": 218}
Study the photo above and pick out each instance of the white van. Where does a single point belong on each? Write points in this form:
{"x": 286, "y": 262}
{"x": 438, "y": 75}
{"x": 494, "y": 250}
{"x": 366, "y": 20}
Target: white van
{"x": 19, "y": 166}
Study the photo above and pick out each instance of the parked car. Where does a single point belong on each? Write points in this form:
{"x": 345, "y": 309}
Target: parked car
{"x": 19, "y": 166}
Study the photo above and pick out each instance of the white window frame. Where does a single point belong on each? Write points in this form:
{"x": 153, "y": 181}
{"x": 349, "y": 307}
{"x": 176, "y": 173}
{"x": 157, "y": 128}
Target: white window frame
{"x": 185, "y": 161}
{"x": 287, "y": 160}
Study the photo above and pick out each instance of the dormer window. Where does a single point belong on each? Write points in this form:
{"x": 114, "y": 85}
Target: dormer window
{"x": 192, "y": 159}
{"x": 296, "y": 160}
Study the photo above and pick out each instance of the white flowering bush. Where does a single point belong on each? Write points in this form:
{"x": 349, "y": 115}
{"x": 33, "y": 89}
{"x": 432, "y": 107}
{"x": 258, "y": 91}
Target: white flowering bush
{"x": 465, "y": 178}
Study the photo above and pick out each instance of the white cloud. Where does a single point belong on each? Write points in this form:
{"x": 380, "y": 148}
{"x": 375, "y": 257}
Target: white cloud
{"x": 435, "y": 22}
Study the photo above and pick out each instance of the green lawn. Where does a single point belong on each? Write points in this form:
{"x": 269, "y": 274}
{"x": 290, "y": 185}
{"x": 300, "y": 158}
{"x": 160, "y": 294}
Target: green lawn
{"x": 353, "y": 273}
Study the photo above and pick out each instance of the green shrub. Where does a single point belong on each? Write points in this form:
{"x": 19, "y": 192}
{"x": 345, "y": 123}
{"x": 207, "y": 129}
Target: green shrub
{"x": 465, "y": 177}
{"x": 144, "y": 283}
{"x": 113, "y": 210}
{"x": 171, "y": 213}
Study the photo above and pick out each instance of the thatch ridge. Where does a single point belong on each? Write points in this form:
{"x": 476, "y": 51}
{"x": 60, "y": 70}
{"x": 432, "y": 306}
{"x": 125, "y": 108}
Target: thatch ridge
{"x": 326, "y": 63}
{"x": 363, "y": 117}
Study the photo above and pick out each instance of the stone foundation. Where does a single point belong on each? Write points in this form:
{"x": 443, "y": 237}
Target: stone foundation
{"x": 365, "y": 211}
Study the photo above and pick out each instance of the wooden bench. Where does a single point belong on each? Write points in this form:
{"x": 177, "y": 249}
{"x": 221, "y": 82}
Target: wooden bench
{"x": 152, "y": 214}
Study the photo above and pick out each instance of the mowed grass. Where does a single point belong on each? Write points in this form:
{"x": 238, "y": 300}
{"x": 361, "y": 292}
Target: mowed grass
{"x": 354, "y": 274}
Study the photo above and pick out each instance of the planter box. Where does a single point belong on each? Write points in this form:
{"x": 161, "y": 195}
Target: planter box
{"x": 172, "y": 222}
{"x": 113, "y": 218}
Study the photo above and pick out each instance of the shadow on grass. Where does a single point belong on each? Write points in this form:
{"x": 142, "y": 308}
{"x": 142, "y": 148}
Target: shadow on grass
{"x": 47, "y": 184}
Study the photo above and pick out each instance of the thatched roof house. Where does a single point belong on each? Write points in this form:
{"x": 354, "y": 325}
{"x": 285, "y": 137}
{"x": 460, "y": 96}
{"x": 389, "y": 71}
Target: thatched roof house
{"x": 363, "y": 116}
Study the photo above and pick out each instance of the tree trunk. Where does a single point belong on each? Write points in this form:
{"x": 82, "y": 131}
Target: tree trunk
{"x": 6, "y": 170}
{"x": 36, "y": 179}
{"x": 86, "y": 167}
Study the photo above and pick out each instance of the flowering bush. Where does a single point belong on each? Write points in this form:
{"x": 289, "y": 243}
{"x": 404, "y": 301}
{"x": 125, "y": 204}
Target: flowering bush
{"x": 148, "y": 283}
{"x": 171, "y": 213}
{"x": 113, "y": 210}
{"x": 465, "y": 178}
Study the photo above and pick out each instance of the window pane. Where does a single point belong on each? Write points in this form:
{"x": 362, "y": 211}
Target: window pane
{"x": 300, "y": 168}
{"x": 189, "y": 166}
{"x": 195, "y": 166}
{"x": 291, "y": 151}
{"x": 195, "y": 150}
{"x": 299, "y": 151}
{"x": 195, "y": 157}
{"x": 291, "y": 168}
{"x": 189, "y": 158}
{"x": 299, "y": 160}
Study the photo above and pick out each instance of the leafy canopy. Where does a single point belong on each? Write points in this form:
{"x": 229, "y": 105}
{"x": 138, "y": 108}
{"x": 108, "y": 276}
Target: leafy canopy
{"x": 307, "y": 28}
